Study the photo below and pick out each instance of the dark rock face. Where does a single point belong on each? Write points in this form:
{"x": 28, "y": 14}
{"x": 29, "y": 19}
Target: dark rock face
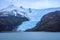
{"x": 49, "y": 22}
{"x": 10, "y": 22}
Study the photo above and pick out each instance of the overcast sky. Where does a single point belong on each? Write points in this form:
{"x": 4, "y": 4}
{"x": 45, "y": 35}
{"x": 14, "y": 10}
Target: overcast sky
{"x": 36, "y": 4}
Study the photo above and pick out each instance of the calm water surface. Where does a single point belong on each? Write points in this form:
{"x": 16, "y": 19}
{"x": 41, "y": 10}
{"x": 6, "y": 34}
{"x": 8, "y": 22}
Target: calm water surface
{"x": 30, "y": 36}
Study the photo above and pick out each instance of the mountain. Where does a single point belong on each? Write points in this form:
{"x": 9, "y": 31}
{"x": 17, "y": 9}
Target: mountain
{"x": 49, "y": 22}
{"x": 39, "y": 13}
{"x": 36, "y": 16}
{"x": 11, "y": 17}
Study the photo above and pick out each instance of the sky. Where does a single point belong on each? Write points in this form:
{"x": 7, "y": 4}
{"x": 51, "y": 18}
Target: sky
{"x": 35, "y": 4}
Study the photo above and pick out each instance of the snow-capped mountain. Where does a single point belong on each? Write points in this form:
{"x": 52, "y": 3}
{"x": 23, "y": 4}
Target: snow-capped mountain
{"x": 9, "y": 8}
{"x": 11, "y": 17}
{"x": 12, "y": 7}
{"x": 13, "y": 10}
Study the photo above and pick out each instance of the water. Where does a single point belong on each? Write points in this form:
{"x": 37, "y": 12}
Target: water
{"x": 30, "y": 36}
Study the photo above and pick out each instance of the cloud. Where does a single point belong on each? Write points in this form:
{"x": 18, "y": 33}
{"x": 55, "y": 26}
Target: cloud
{"x": 36, "y": 4}
{"x": 39, "y": 4}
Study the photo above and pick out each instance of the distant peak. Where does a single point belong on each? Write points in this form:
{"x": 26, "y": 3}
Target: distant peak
{"x": 22, "y": 7}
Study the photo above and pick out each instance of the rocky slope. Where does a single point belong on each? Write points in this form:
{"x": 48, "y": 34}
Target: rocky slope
{"x": 49, "y": 22}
